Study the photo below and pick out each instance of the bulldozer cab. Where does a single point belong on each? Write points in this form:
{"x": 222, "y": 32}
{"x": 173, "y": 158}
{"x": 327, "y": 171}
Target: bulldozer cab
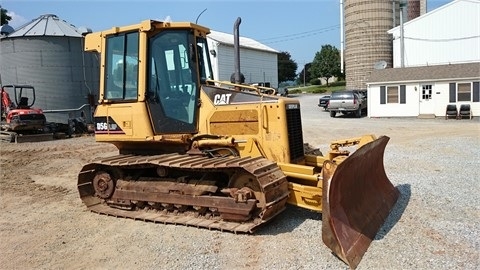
{"x": 163, "y": 67}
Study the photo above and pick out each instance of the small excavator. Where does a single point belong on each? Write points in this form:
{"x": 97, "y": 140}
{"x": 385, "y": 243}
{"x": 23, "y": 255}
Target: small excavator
{"x": 20, "y": 119}
{"x": 193, "y": 151}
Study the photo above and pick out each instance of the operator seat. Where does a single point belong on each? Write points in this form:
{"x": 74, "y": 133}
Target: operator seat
{"x": 23, "y": 104}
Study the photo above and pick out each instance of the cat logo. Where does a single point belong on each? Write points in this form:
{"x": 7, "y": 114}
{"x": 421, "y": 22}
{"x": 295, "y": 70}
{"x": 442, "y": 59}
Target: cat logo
{"x": 221, "y": 99}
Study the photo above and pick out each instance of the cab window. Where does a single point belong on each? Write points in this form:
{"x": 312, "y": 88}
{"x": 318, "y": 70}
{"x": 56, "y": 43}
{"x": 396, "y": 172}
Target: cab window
{"x": 121, "y": 68}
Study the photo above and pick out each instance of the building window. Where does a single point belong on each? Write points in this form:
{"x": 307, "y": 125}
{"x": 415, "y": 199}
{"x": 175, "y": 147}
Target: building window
{"x": 392, "y": 94}
{"x": 469, "y": 91}
{"x": 427, "y": 92}
{"x": 464, "y": 92}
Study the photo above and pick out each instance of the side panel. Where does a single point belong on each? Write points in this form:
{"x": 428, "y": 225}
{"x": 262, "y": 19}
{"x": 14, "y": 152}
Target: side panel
{"x": 122, "y": 122}
{"x": 260, "y": 125}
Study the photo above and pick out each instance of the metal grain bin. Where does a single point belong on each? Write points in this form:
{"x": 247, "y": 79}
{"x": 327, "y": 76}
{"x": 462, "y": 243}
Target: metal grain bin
{"x": 48, "y": 54}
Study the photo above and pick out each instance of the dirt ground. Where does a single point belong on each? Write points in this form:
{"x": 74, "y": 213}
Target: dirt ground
{"x": 44, "y": 225}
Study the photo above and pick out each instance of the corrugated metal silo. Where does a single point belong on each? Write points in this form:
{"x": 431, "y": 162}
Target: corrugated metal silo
{"x": 366, "y": 39}
{"x": 48, "y": 54}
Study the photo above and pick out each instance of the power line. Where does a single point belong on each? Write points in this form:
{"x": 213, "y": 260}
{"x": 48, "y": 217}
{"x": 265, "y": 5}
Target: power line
{"x": 302, "y": 33}
{"x": 299, "y": 35}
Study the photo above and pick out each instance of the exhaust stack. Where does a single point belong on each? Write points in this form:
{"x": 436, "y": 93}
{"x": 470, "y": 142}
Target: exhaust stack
{"x": 237, "y": 77}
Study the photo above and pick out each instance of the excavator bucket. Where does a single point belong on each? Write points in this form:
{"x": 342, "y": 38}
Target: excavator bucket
{"x": 357, "y": 198}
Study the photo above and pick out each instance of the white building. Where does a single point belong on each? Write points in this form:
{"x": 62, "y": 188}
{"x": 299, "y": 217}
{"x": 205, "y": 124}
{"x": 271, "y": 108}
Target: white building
{"x": 447, "y": 35}
{"x": 258, "y": 62}
{"x": 441, "y": 65}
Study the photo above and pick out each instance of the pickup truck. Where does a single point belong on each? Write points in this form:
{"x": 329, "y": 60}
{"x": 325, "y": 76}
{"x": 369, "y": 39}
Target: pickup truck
{"x": 323, "y": 102}
{"x": 347, "y": 102}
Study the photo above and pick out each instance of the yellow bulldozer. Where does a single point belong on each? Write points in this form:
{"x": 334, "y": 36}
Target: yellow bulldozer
{"x": 197, "y": 152}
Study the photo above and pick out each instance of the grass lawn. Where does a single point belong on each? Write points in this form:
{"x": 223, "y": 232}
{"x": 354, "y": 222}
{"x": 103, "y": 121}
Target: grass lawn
{"x": 318, "y": 89}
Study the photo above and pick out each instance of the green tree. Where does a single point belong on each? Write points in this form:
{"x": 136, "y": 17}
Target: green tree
{"x": 287, "y": 68}
{"x": 4, "y": 16}
{"x": 326, "y": 63}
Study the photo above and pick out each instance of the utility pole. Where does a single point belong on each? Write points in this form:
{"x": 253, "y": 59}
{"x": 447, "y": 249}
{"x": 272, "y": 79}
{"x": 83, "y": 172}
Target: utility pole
{"x": 304, "y": 72}
{"x": 402, "y": 44}
{"x": 342, "y": 36}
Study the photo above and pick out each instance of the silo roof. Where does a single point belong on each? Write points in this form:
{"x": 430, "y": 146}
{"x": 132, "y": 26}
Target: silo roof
{"x": 47, "y": 25}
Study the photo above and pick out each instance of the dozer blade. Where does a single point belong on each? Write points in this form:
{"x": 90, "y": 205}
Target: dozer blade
{"x": 357, "y": 198}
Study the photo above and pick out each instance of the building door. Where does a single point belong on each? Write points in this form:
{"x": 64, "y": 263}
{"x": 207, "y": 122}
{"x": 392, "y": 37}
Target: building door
{"x": 427, "y": 105}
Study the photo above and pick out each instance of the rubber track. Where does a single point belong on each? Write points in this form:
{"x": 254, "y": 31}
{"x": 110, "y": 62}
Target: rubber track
{"x": 272, "y": 181}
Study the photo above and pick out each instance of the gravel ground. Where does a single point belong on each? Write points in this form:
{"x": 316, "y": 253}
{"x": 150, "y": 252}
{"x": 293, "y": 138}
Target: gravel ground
{"x": 434, "y": 225}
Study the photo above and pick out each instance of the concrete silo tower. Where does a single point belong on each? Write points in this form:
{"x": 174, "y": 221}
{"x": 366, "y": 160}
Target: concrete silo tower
{"x": 48, "y": 54}
{"x": 416, "y": 8}
{"x": 367, "y": 42}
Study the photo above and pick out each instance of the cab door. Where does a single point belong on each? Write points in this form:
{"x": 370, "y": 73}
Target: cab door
{"x": 172, "y": 84}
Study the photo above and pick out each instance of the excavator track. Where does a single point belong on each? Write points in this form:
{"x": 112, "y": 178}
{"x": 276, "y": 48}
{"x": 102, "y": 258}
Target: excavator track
{"x": 227, "y": 194}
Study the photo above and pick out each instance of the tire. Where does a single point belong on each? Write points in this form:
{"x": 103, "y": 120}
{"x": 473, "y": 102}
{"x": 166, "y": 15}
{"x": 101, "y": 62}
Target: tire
{"x": 332, "y": 114}
{"x": 358, "y": 113}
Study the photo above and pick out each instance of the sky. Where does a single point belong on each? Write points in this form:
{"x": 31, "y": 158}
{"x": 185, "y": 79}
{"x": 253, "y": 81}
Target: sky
{"x": 298, "y": 27}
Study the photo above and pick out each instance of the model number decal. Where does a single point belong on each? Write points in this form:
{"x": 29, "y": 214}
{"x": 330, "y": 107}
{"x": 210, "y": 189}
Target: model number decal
{"x": 293, "y": 106}
{"x": 221, "y": 99}
{"x": 105, "y": 126}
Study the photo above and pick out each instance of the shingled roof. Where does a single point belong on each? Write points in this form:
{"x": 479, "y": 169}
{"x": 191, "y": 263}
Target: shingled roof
{"x": 426, "y": 73}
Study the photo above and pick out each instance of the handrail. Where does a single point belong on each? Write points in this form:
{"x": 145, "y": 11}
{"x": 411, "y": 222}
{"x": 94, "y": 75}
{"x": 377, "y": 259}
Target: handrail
{"x": 66, "y": 110}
